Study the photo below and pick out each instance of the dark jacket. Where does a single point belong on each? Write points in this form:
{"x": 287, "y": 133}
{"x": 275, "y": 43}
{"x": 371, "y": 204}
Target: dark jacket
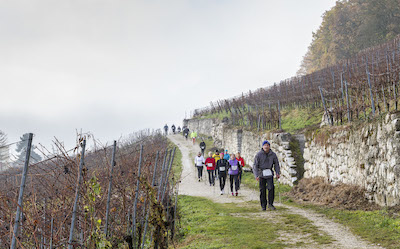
{"x": 264, "y": 161}
{"x": 222, "y": 163}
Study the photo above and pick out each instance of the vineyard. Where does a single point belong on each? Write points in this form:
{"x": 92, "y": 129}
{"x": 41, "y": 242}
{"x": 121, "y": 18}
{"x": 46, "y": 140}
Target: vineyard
{"x": 120, "y": 196}
{"x": 355, "y": 89}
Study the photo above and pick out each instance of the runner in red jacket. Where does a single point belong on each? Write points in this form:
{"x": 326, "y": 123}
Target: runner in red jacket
{"x": 210, "y": 164}
{"x": 242, "y": 164}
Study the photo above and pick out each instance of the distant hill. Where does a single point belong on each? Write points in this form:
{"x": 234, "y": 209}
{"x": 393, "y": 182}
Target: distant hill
{"x": 349, "y": 27}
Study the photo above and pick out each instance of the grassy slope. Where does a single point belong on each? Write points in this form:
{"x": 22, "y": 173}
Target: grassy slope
{"x": 205, "y": 224}
{"x": 177, "y": 164}
{"x": 297, "y": 119}
{"x": 293, "y": 119}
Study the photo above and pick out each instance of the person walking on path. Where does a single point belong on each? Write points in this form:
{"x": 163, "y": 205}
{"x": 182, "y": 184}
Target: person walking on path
{"x": 199, "y": 163}
{"x": 264, "y": 161}
{"x": 166, "y": 129}
{"x": 242, "y": 164}
{"x": 216, "y": 156}
{"x": 234, "y": 173}
{"x": 210, "y": 164}
{"x": 173, "y": 128}
{"x": 226, "y": 155}
{"x": 193, "y": 136}
{"x": 222, "y": 167}
{"x": 202, "y": 146}
{"x": 185, "y": 132}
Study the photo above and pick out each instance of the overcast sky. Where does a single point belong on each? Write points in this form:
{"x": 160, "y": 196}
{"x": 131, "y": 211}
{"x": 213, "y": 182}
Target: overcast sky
{"x": 118, "y": 66}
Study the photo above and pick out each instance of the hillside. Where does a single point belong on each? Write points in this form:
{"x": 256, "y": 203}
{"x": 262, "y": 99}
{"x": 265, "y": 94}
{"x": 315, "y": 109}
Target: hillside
{"x": 358, "y": 89}
{"x": 348, "y": 28}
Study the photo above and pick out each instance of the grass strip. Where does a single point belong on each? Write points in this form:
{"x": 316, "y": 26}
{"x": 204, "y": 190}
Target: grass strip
{"x": 205, "y": 224}
{"x": 378, "y": 227}
{"x": 177, "y": 166}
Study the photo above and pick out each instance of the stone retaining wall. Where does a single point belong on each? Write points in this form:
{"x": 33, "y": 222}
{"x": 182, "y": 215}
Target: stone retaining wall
{"x": 367, "y": 156}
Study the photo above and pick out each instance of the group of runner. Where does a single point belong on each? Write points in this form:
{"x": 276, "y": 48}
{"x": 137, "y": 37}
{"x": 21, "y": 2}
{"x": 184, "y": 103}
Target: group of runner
{"x": 219, "y": 166}
{"x": 173, "y": 128}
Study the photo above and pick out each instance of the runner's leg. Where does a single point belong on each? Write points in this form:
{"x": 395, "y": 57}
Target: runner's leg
{"x": 231, "y": 182}
{"x": 236, "y": 179}
{"x": 263, "y": 192}
{"x": 271, "y": 191}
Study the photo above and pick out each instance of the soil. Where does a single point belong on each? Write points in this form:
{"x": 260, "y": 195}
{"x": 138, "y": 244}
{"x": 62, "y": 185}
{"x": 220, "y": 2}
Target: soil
{"x": 189, "y": 185}
{"x": 341, "y": 196}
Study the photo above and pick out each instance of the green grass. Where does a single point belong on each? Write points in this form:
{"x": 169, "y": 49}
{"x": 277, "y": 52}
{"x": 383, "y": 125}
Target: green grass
{"x": 295, "y": 222}
{"x": 205, "y": 224}
{"x": 297, "y": 119}
{"x": 293, "y": 119}
{"x": 177, "y": 164}
{"x": 375, "y": 226}
{"x": 294, "y": 146}
{"x": 216, "y": 115}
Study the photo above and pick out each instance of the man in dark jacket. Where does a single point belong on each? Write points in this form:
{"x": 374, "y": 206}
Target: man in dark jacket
{"x": 222, "y": 167}
{"x": 264, "y": 162}
{"x": 185, "y": 132}
{"x": 202, "y": 146}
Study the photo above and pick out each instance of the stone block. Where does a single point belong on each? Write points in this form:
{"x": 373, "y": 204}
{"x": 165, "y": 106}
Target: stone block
{"x": 396, "y": 124}
{"x": 285, "y": 145}
{"x": 390, "y": 177}
{"x": 396, "y": 171}
{"x": 290, "y": 160}
{"x": 288, "y": 153}
{"x": 292, "y": 172}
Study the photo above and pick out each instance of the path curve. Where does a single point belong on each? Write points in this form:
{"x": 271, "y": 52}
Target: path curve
{"x": 189, "y": 185}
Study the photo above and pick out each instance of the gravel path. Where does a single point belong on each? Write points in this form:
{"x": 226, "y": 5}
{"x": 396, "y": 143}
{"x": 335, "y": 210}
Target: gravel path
{"x": 190, "y": 185}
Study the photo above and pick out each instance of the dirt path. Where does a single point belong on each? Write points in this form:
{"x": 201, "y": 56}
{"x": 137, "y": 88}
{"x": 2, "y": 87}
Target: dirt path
{"x": 189, "y": 185}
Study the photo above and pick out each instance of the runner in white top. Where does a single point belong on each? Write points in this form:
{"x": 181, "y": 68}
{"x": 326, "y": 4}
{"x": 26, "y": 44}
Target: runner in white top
{"x": 199, "y": 163}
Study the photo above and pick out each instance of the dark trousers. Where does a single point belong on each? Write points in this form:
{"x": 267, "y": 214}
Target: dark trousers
{"x": 222, "y": 180}
{"x": 211, "y": 177}
{"x": 234, "y": 178}
{"x": 200, "y": 171}
{"x": 267, "y": 183}
{"x": 240, "y": 177}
